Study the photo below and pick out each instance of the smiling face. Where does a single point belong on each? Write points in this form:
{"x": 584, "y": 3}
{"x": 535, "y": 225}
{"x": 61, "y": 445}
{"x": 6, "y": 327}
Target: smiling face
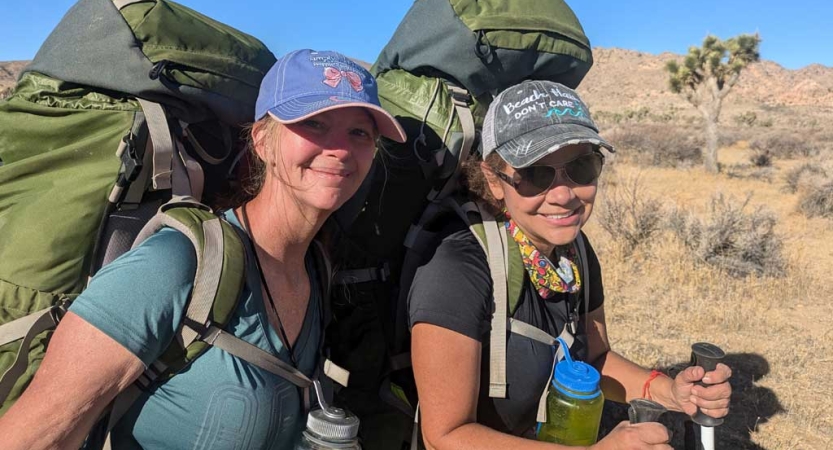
{"x": 323, "y": 159}
{"x": 555, "y": 216}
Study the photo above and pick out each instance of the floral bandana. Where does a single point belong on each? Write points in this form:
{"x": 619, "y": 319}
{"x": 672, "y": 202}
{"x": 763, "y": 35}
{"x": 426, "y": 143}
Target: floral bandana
{"x": 547, "y": 278}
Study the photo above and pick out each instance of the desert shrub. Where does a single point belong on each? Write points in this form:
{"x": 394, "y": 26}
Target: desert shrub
{"x": 817, "y": 201}
{"x": 747, "y": 118}
{"x": 658, "y": 145}
{"x": 805, "y": 174}
{"x": 739, "y": 242}
{"x": 730, "y": 135}
{"x": 749, "y": 171}
{"x": 783, "y": 145}
{"x": 761, "y": 159}
{"x": 5, "y": 93}
{"x": 628, "y": 214}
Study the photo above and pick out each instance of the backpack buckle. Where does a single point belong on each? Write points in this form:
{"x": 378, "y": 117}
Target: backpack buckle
{"x": 459, "y": 96}
{"x": 572, "y": 324}
{"x": 355, "y": 276}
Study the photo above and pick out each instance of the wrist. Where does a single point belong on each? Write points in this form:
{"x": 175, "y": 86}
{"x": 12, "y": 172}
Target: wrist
{"x": 664, "y": 391}
{"x": 646, "y": 387}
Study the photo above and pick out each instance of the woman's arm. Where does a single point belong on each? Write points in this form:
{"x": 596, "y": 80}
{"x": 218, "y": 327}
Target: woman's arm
{"x": 447, "y": 372}
{"x": 82, "y": 372}
{"x": 623, "y": 380}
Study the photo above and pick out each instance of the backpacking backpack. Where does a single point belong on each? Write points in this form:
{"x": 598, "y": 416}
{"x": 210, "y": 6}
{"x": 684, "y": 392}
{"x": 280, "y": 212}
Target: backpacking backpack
{"x": 437, "y": 75}
{"x": 128, "y": 104}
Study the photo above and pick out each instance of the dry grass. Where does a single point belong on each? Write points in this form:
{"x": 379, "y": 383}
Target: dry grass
{"x": 776, "y": 330}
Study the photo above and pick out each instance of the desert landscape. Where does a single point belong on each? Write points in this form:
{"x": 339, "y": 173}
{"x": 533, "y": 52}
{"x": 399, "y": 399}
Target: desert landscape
{"x": 739, "y": 258}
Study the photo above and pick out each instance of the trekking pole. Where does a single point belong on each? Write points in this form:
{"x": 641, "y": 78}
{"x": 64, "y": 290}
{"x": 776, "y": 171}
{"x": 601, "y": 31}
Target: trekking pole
{"x": 706, "y": 356}
{"x": 642, "y": 410}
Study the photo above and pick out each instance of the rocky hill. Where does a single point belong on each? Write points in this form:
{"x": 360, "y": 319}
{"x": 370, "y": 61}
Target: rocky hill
{"x": 627, "y": 82}
{"x": 8, "y": 73}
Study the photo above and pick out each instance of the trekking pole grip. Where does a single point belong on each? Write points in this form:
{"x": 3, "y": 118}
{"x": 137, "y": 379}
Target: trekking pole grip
{"x": 706, "y": 356}
{"x": 642, "y": 410}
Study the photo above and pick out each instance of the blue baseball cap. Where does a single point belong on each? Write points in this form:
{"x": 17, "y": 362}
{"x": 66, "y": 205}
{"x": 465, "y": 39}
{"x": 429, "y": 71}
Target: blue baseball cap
{"x": 307, "y": 82}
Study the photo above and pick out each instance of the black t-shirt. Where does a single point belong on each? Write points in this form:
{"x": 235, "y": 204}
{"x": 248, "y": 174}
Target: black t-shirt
{"x": 453, "y": 290}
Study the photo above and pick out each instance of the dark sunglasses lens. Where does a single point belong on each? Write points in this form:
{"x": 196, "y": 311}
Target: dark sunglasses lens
{"x": 584, "y": 170}
{"x": 534, "y": 180}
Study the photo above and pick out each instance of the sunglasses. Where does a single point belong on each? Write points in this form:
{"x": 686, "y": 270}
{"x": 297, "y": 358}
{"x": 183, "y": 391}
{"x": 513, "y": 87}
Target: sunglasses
{"x": 535, "y": 180}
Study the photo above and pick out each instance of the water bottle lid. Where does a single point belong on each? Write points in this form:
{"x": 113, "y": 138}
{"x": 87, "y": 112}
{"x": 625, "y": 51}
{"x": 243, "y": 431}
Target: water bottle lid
{"x": 576, "y": 376}
{"x": 333, "y": 423}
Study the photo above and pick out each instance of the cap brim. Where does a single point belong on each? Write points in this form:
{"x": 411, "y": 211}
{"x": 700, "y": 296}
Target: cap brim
{"x": 525, "y": 150}
{"x": 296, "y": 110}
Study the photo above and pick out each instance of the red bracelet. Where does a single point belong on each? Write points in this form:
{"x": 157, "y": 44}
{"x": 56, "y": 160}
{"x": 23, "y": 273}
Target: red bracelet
{"x": 646, "y": 392}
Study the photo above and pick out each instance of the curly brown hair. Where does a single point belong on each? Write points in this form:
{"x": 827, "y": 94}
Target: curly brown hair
{"x": 475, "y": 182}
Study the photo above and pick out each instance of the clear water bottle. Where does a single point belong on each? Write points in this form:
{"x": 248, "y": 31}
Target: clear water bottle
{"x": 574, "y": 404}
{"x": 329, "y": 428}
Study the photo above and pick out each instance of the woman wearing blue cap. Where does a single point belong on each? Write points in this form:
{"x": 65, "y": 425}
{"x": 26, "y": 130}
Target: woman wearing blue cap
{"x": 542, "y": 156}
{"x": 317, "y": 120}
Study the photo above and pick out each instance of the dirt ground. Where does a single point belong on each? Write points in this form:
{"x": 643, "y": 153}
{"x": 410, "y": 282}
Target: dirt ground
{"x": 776, "y": 330}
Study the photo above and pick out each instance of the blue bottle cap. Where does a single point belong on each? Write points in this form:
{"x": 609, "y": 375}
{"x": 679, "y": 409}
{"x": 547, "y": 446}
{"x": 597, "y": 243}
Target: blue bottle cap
{"x": 575, "y": 379}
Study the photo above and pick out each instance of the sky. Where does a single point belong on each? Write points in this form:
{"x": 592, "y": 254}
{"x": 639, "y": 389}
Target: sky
{"x": 795, "y": 33}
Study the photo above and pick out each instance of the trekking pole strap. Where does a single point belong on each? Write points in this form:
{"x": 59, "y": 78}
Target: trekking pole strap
{"x": 43, "y": 320}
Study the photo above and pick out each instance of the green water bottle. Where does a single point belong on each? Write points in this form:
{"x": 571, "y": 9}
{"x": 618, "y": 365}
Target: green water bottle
{"x": 574, "y": 403}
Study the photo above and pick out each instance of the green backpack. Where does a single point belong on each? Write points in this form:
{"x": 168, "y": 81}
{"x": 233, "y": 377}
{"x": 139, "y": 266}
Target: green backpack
{"x": 127, "y": 105}
{"x": 437, "y": 75}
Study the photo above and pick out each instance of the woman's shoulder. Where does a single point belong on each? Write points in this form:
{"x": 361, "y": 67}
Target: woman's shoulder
{"x": 453, "y": 288}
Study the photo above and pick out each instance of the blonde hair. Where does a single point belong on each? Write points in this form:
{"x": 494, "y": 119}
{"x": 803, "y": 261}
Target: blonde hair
{"x": 270, "y": 131}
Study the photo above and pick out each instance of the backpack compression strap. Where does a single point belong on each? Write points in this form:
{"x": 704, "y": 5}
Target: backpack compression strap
{"x": 26, "y": 328}
{"x": 460, "y": 97}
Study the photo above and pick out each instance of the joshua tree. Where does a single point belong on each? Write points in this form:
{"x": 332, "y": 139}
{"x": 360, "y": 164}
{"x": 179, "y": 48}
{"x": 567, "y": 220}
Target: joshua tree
{"x": 706, "y": 77}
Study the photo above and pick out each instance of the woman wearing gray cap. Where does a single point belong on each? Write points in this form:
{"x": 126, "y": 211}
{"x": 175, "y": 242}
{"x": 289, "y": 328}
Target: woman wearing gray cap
{"x": 542, "y": 159}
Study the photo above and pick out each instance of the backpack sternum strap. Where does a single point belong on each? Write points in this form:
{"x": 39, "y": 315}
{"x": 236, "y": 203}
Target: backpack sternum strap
{"x": 255, "y": 355}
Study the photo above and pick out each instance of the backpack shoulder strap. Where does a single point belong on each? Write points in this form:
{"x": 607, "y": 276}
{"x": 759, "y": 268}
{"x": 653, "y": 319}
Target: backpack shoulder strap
{"x": 221, "y": 264}
{"x": 220, "y": 277}
{"x": 585, "y": 271}
{"x": 324, "y": 270}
